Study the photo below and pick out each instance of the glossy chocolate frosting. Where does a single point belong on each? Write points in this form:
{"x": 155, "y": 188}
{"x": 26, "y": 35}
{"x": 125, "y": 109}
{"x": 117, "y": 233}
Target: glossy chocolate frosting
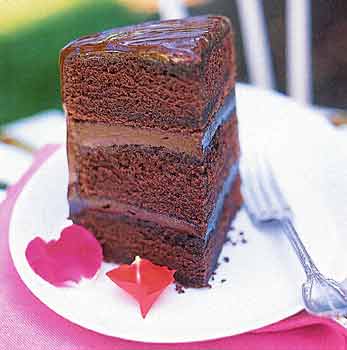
{"x": 178, "y": 41}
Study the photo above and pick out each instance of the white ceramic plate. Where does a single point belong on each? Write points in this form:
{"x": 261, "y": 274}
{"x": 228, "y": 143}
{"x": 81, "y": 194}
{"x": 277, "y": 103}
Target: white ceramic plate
{"x": 263, "y": 277}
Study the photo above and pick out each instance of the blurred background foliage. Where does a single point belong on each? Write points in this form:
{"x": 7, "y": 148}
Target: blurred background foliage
{"x": 30, "y": 44}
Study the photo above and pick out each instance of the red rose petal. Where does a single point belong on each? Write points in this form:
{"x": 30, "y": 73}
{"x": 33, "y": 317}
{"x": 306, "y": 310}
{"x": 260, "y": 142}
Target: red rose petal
{"x": 74, "y": 255}
{"x": 143, "y": 280}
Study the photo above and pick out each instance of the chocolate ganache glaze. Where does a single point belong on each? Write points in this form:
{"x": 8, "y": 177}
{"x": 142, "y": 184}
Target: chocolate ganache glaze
{"x": 177, "y": 41}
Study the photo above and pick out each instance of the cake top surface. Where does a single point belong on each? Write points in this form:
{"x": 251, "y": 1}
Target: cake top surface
{"x": 177, "y": 41}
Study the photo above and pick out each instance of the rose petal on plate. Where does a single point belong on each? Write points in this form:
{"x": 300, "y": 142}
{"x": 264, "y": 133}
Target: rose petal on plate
{"x": 76, "y": 254}
{"x": 143, "y": 280}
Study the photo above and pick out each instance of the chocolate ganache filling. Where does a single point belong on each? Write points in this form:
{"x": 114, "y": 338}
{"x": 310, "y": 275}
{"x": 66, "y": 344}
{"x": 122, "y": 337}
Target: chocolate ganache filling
{"x": 102, "y": 134}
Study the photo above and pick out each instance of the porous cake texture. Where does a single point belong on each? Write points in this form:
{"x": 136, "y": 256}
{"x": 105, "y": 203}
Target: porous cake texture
{"x": 153, "y": 144}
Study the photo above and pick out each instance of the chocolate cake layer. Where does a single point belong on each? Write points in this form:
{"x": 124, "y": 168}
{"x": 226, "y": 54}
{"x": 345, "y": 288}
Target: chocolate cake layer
{"x": 123, "y": 237}
{"x": 77, "y": 205}
{"x": 153, "y": 178}
{"x": 169, "y": 75}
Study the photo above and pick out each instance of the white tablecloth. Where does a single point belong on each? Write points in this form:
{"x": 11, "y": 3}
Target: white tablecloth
{"x": 35, "y": 131}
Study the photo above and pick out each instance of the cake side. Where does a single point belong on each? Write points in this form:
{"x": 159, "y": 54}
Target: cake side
{"x": 153, "y": 147}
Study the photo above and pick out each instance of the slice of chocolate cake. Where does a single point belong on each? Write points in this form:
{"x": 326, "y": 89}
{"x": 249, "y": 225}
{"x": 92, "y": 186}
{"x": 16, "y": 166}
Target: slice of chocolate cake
{"x": 153, "y": 143}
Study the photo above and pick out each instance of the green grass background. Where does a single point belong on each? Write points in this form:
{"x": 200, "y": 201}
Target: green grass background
{"x": 29, "y": 71}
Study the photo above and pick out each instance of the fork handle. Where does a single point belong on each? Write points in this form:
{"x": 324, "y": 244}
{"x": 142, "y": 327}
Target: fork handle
{"x": 300, "y": 250}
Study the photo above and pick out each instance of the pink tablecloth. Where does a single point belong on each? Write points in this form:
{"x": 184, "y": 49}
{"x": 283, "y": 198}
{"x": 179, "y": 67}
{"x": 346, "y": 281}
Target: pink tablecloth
{"x": 25, "y": 323}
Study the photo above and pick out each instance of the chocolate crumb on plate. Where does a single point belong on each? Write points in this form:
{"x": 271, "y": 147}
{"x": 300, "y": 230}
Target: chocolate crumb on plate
{"x": 179, "y": 288}
{"x": 244, "y": 240}
{"x": 226, "y": 259}
{"x": 223, "y": 280}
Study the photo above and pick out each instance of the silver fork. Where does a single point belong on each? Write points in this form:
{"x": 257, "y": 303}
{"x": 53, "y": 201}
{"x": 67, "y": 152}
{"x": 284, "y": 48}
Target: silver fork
{"x": 265, "y": 203}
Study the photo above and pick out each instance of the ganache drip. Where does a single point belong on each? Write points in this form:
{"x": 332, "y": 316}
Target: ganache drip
{"x": 226, "y": 111}
{"x": 228, "y": 183}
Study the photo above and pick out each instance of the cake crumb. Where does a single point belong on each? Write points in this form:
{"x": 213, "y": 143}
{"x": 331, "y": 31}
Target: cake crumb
{"x": 227, "y": 239}
{"x": 226, "y": 259}
{"x": 212, "y": 278}
{"x": 223, "y": 280}
{"x": 244, "y": 240}
{"x": 232, "y": 228}
{"x": 179, "y": 288}
{"x": 241, "y": 233}
{"x": 233, "y": 243}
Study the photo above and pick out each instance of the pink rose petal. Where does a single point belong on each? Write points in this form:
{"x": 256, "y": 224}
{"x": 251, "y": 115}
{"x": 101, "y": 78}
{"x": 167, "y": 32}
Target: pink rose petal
{"x": 74, "y": 255}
